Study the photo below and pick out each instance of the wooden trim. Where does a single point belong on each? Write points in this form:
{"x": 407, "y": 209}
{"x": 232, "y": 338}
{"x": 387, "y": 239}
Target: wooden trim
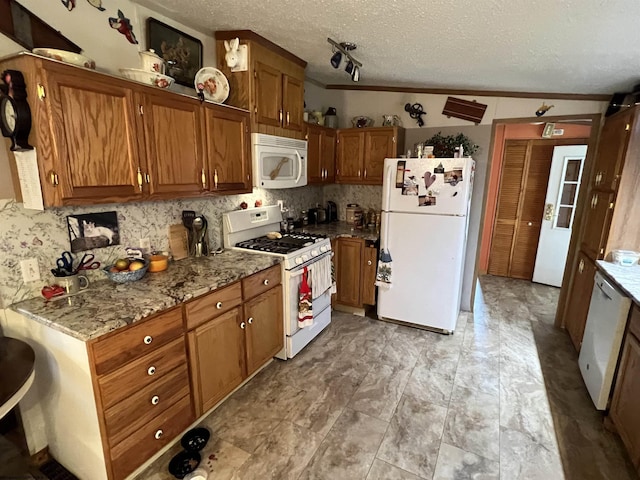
{"x": 249, "y": 35}
{"x": 600, "y": 97}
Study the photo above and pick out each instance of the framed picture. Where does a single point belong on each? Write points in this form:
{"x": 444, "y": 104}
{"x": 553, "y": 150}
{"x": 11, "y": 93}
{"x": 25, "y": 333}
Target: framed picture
{"x": 182, "y": 52}
{"x": 548, "y": 130}
{"x": 93, "y": 230}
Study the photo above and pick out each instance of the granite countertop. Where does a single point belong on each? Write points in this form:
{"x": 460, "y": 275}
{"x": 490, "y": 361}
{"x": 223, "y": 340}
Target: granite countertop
{"x": 106, "y": 306}
{"x": 341, "y": 229}
{"x": 627, "y": 278}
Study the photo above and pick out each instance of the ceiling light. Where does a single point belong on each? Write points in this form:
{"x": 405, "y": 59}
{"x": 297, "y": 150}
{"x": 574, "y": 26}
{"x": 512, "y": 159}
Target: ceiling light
{"x": 343, "y": 49}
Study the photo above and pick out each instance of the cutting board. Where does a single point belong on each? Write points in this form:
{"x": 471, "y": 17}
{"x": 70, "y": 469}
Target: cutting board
{"x": 178, "y": 241}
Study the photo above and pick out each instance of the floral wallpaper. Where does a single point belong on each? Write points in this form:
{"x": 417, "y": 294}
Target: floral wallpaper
{"x": 367, "y": 196}
{"x": 43, "y": 235}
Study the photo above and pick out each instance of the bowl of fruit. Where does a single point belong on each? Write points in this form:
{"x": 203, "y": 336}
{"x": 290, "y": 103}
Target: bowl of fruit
{"x": 127, "y": 270}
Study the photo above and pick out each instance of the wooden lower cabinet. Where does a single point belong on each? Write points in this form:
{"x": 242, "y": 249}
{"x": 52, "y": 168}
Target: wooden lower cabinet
{"x": 265, "y": 328}
{"x": 217, "y": 355}
{"x": 579, "y": 298}
{"x": 356, "y": 264}
{"x": 624, "y": 407}
{"x": 369, "y": 270}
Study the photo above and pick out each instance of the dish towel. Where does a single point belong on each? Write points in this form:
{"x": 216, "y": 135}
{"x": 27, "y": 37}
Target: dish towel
{"x": 321, "y": 276}
{"x": 383, "y": 275}
{"x": 305, "y": 312}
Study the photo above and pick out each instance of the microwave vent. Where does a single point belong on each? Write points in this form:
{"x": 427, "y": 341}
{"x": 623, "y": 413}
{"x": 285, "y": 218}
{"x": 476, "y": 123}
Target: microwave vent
{"x": 275, "y": 141}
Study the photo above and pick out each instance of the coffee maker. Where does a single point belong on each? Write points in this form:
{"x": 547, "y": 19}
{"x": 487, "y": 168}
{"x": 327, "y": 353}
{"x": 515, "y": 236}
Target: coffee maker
{"x": 332, "y": 212}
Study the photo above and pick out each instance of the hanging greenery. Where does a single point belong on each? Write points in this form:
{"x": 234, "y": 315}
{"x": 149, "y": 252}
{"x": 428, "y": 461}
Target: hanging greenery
{"x": 444, "y": 146}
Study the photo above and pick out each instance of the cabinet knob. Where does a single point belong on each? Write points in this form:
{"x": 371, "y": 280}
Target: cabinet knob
{"x": 369, "y": 262}
{"x": 529, "y": 224}
{"x": 219, "y": 305}
{"x": 243, "y": 325}
{"x": 250, "y": 320}
{"x": 151, "y": 370}
{"x": 158, "y": 434}
{"x": 147, "y": 340}
{"x": 155, "y": 400}
{"x": 266, "y": 282}
{"x": 581, "y": 266}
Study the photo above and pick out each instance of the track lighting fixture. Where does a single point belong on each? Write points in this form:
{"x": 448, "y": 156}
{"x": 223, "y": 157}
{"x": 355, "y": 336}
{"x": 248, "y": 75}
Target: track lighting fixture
{"x": 343, "y": 49}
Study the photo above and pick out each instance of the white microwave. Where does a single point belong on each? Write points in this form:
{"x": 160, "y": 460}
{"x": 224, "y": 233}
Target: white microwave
{"x": 278, "y": 162}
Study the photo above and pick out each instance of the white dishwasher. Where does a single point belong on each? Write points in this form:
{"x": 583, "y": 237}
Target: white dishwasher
{"x": 608, "y": 312}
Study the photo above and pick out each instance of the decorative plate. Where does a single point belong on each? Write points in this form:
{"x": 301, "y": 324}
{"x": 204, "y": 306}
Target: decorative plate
{"x": 66, "y": 57}
{"x": 150, "y": 78}
{"x": 213, "y": 84}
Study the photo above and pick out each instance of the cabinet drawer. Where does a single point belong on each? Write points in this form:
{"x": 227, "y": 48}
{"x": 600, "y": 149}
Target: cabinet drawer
{"x": 213, "y": 304}
{"x": 136, "y": 341}
{"x": 634, "y": 322}
{"x": 131, "y": 378}
{"x": 137, "y": 448}
{"x": 125, "y": 417}
{"x": 261, "y": 282}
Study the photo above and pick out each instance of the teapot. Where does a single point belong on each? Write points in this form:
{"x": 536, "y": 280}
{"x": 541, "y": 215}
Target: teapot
{"x": 150, "y": 62}
{"x": 390, "y": 120}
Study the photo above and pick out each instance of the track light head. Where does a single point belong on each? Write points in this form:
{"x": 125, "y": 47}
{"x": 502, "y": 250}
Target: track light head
{"x": 355, "y": 74}
{"x": 336, "y": 59}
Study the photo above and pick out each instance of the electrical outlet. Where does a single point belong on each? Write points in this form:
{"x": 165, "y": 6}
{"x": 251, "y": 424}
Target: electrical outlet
{"x": 30, "y": 270}
{"x": 281, "y": 204}
{"x": 145, "y": 244}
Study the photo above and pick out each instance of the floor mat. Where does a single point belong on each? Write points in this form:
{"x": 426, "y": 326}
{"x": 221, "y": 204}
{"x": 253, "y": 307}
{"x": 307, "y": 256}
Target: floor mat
{"x": 54, "y": 471}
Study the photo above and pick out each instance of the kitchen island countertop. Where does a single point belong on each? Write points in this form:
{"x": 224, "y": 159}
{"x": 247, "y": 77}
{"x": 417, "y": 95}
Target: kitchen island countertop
{"x": 106, "y": 306}
{"x": 626, "y": 278}
{"x": 341, "y": 229}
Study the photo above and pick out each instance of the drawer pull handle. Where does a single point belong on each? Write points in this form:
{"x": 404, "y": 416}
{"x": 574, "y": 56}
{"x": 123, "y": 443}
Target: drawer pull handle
{"x": 148, "y": 339}
{"x": 250, "y": 321}
{"x": 151, "y": 370}
{"x": 158, "y": 434}
{"x": 266, "y": 282}
{"x": 219, "y": 305}
{"x": 243, "y": 325}
{"x": 581, "y": 266}
{"x": 155, "y": 400}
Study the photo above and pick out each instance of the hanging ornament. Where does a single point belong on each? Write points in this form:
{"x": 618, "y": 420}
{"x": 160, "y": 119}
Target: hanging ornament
{"x": 69, "y": 4}
{"x": 415, "y": 111}
{"x": 97, "y": 4}
{"x": 123, "y": 25}
{"x": 543, "y": 109}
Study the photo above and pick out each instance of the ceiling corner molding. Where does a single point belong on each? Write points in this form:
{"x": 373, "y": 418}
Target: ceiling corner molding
{"x": 598, "y": 97}
{"x": 315, "y": 82}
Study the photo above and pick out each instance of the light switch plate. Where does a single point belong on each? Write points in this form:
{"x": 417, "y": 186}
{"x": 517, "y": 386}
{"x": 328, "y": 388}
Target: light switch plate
{"x": 30, "y": 270}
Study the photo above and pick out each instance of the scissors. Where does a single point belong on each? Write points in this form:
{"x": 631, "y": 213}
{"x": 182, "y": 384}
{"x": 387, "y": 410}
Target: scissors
{"x": 87, "y": 263}
{"x": 65, "y": 262}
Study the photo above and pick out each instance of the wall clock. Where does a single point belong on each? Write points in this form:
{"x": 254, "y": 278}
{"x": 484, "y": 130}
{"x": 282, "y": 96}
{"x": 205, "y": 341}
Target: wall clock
{"x": 15, "y": 114}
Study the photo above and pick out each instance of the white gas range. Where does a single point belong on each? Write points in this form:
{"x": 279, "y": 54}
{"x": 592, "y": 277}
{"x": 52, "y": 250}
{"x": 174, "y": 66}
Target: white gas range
{"x": 247, "y": 230}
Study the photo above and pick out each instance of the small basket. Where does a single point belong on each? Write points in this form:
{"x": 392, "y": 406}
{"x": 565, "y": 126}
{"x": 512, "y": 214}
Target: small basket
{"x": 127, "y": 276}
{"x": 626, "y": 258}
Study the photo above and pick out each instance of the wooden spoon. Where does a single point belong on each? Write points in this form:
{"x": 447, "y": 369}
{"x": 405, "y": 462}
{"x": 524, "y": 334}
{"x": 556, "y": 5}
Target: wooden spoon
{"x": 276, "y": 171}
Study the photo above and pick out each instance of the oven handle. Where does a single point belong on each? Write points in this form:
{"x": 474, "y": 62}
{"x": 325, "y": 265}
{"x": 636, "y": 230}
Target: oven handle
{"x": 299, "y": 166}
{"x": 299, "y": 270}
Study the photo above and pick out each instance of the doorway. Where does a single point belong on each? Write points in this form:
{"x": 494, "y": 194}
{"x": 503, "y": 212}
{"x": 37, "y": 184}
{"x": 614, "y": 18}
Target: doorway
{"x": 520, "y": 189}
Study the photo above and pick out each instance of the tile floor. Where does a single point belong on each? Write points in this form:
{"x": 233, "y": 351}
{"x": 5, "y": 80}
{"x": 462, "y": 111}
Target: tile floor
{"x": 502, "y": 398}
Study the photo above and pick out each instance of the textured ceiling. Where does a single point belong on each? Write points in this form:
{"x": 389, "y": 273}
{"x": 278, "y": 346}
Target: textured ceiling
{"x": 569, "y": 46}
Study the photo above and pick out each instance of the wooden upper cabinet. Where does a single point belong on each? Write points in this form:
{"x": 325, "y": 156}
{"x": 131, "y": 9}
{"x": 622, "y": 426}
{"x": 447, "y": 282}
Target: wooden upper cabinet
{"x": 596, "y": 227}
{"x": 173, "y": 130}
{"x": 350, "y": 156}
{"x": 321, "y": 151}
{"x": 264, "y": 326}
{"x": 579, "y": 299}
{"x": 268, "y": 96}
{"x": 292, "y": 102}
{"x": 94, "y": 137}
{"x": 328, "y": 154}
{"x": 228, "y": 150}
{"x": 612, "y": 149}
{"x": 378, "y": 145}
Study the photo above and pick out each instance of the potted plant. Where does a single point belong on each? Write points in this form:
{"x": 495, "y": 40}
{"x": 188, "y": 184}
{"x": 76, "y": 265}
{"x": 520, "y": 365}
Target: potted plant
{"x": 444, "y": 146}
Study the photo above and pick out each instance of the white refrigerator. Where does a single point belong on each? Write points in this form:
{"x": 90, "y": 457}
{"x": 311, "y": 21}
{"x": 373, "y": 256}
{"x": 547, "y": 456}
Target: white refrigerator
{"x": 425, "y": 216}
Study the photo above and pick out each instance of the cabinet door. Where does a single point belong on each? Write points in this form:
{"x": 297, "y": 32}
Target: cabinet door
{"x": 328, "y": 152}
{"x": 624, "y": 407}
{"x": 265, "y": 327}
{"x": 378, "y": 145}
{"x": 217, "y": 358}
{"x": 93, "y": 124}
{"x": 349, "y": 271}
{"x": 268, "y": 95}
{"x": 369, "y": 266}
{"x": 350, "y": 156}
{"x": 315, "y": 169}
{"x": 596, "y": 228}
{"x": 228, "y": 150}
{"x": 175, "y": 143}
{"x": 579, "y": 298}
{"x": 292, "y": 102}
{"x": 612, "y": 148}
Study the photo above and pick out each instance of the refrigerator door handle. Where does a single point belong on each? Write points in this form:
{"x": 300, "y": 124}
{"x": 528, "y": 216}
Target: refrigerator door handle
{"x": 386, "y": 194}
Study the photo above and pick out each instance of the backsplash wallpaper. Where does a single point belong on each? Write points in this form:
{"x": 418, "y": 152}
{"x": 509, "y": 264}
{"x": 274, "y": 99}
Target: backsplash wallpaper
{"x": 43, "y": 235}
{"x": 367, "y": 196}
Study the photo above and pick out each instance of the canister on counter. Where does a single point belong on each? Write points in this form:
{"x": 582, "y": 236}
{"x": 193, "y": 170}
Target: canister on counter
{"x": 352, "y": 209}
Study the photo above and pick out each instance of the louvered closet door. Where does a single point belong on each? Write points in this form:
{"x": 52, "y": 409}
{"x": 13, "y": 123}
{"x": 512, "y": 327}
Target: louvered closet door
{"x": 513, "y": 167}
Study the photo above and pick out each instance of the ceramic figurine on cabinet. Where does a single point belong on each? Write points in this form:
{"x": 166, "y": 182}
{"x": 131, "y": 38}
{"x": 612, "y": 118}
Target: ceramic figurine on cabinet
{"x": 390, "y": 121}
{"x": 236, "y": 56}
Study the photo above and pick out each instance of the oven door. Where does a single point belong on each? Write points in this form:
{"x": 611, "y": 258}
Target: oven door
{"x": 293, "y": 279}
{"x": 279, "y": 167}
